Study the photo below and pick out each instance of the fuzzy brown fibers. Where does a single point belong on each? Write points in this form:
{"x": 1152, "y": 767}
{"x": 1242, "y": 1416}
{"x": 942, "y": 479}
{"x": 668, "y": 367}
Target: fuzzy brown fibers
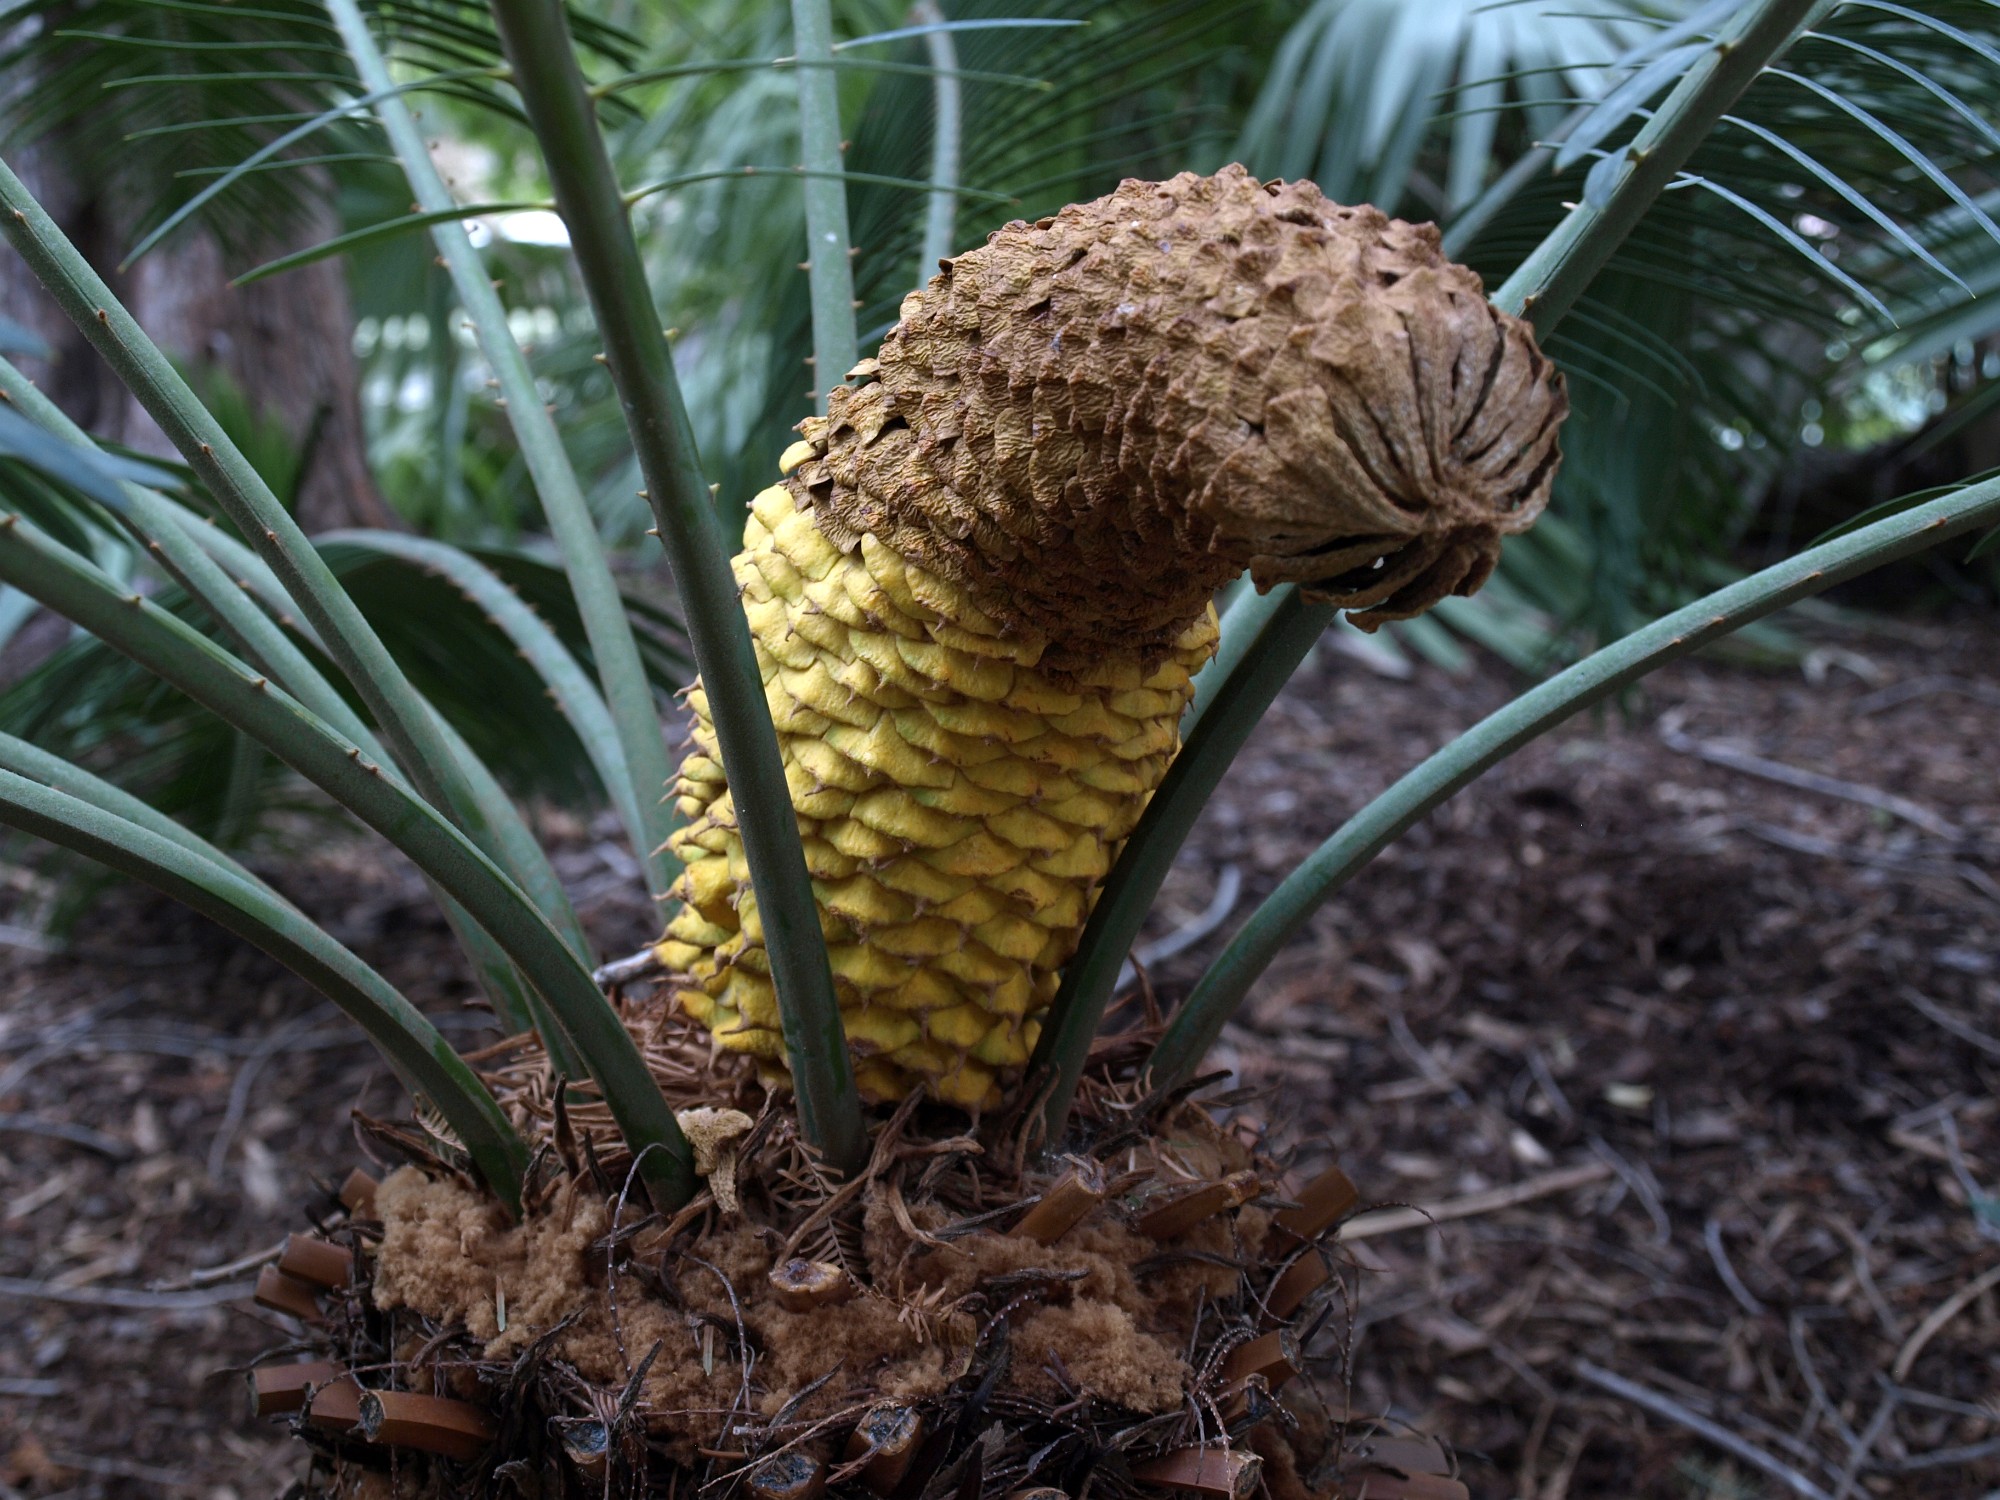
{"x": 449, "y": 1254}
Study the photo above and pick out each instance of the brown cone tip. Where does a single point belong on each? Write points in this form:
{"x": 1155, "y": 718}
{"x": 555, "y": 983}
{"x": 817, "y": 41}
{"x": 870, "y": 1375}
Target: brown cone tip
{"x": 1094, "y": 420}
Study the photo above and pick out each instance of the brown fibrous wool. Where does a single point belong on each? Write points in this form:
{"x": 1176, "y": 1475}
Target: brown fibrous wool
{"x": 448, "y": 1254}
{"x": 1072, "y": 1362}
{"x": 1093, "y": 421}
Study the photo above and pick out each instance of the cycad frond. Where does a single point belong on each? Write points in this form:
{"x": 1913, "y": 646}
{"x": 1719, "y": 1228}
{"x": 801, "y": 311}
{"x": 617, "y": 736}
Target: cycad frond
{"x": 1834, "y": 221}
{"x": 172, "y": 95}
{"x": 1123, "y": 93}
{"x": 93, "y": 706}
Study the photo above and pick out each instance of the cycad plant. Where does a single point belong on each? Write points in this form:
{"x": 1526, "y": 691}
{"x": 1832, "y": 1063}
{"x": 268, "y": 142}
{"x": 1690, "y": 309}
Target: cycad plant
{"x": 840, "y": 1184}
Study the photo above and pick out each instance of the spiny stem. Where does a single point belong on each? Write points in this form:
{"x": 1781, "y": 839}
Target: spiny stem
{"x": 1270, "y": 634}
{"x": 638, "y": 784}
{"x": 830, "y": 271}
{"x": 424, "y": 752}
{"x": 536, "y": 35}
{"x": 1552, "y": 277}
{"x": 1547, "y": 284}
{"x": 941, "y": 216}
{"x": 245, "y": 699}
{"x": 179, "y": 539}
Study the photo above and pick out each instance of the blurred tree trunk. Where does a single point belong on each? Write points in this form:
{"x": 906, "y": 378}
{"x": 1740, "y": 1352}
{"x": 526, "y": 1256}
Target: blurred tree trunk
{"x": 285, "y": 342}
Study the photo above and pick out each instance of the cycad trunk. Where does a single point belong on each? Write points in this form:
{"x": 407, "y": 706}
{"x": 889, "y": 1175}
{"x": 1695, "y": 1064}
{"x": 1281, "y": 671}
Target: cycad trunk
{"x": 957, "y": 1321}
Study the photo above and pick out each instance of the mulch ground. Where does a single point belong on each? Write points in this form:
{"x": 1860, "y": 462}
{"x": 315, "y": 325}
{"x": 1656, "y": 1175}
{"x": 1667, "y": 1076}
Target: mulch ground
{"x": 1690, "y": 1058}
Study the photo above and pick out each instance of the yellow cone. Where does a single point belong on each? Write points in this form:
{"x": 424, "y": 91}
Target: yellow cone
{"x": 981, "y": 592}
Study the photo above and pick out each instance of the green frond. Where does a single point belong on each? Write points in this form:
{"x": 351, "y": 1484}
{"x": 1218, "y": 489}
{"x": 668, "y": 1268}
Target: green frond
{"x": 636, "y": 351}
{"x": 572, "y": 1011}
{"x": 168, "y": 93}
{"x": 1909, "y": 529}
{"x": 414, "y": 1049}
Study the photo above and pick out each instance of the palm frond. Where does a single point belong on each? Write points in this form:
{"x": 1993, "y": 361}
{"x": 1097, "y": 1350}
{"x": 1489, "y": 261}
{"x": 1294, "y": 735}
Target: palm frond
{"x": 1833, "y": 224}
{"x": 180, "y": 99}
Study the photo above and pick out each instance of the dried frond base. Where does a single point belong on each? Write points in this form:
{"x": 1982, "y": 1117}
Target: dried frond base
{"x": 1155, "y": 1309}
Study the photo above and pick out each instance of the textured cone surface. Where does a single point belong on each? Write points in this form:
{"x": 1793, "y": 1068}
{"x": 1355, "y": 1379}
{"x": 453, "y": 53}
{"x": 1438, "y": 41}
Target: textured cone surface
{"x": 958, "y": 807}
{"x": 1093, "y": 421}
{"x": 980, "y": 593}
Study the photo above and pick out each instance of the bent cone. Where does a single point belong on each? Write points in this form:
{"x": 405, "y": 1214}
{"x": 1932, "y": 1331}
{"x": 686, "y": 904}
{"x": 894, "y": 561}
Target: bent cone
{"x": 981, "y": 591}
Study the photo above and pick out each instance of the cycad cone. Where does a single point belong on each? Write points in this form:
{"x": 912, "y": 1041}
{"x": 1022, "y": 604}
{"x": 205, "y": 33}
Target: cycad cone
{"x": 981, "y": 590}
{"x": 958, "y": 807}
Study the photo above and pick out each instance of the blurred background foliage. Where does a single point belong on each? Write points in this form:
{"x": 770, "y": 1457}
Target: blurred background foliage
{"x": 1801, "y": 328}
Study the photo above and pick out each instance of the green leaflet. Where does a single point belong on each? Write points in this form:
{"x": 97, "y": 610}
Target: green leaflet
{"x": 212, "y": 885}
{"x": 573, "y": 1004}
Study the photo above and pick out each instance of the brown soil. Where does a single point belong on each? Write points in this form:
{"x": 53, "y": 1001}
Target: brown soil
{"x": 1768, "y": 1017}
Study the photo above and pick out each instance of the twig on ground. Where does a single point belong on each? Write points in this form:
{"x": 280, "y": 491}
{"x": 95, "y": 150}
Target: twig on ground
{"x": 118, "y": 1296}
{"x": 123, "y": 1468}
{"x": 1558, "y": 1486}
{"x": 1531, "y": 1450}
{"x": 1951, "y": 1307}
{"x": 1388, "y": 1309}
{"x": 1936, "y": 1110}
{"x": 1665, "y": 1406}
{"x": 1228, "y": 890}
{"x": 1944, "y": 1458}
{"x": 1864, "y": 1274}
{"x": 51, "y": 1043}
{"x": 1529, "y": 1376}
{"x": 1963, "y": 1030}
{"x": 1821, "y": 1402}
{"x": 210, "y": 1275}
{"x": 1711, "y": 1235}
{"x": 1730, "y": 758}
{"x": 1545, "y": 1079}
{"x": 1394, "y": 1220}
{"x": 1806, "y": 843}
{"x": 1643, "y": 1187}
{"x": 1899, "y": 693}
{"x": 13, "y": 936}
{"x": 168, "y": 1039}
{"x": 1909, "y": 1397}
{"x": 1421, "y": 1057}
{"x": 1859, "y": 1450}
{"x": 246, "y": 1076}
{"x": 63, "y": 1130}
{"x": 1985, "y": 1205}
